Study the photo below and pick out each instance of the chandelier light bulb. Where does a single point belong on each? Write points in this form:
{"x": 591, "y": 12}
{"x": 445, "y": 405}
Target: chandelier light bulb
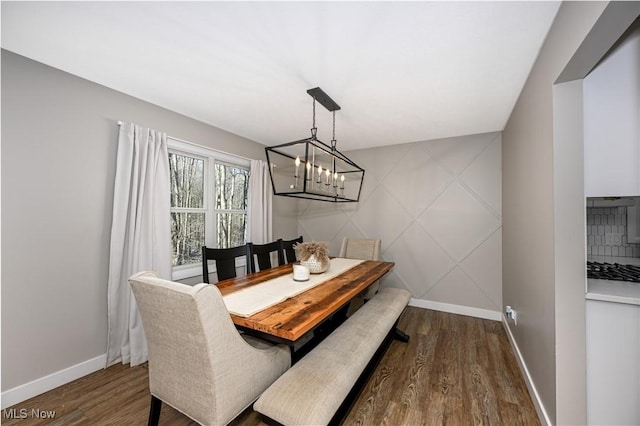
{"x": 297, "y": 163}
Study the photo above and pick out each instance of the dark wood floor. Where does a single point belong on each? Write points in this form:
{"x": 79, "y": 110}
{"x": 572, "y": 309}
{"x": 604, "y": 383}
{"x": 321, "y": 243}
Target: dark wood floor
{"x": 455, "y": 370}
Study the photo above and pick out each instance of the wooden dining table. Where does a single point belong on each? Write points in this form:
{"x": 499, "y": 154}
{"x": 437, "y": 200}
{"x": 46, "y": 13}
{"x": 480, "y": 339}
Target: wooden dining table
{"x": 289, "y": 321}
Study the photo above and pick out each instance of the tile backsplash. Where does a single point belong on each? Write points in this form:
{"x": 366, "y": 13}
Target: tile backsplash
{"x": 607, "y": 232}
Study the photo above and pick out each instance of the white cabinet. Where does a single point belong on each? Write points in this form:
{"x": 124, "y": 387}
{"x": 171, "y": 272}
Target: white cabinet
{"x": 612, "y": 122}
{"x": 613, "y": 363}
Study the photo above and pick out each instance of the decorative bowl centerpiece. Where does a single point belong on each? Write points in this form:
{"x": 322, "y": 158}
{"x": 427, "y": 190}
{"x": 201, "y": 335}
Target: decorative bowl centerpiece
{"x": 314, "y": 255}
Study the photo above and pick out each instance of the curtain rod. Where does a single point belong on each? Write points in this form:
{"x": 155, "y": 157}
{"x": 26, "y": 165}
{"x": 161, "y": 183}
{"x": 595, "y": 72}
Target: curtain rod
{"x": 120, "y": 123}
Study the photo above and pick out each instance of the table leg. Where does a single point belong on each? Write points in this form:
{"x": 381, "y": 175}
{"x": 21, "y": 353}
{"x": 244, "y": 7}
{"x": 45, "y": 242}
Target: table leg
{"x": 400, "y": 335}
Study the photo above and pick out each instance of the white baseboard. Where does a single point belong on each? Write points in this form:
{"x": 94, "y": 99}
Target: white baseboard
{"x": 537, "y": 402}
{"x": 52, "y": 381}
{"x": 456, "y": 309}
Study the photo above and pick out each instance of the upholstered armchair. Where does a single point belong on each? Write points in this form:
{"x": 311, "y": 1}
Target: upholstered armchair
{"x": 198, "y": 362}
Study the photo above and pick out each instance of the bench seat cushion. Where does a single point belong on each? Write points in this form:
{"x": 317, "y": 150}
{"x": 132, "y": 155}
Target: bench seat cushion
{"x": 312, "y": 390}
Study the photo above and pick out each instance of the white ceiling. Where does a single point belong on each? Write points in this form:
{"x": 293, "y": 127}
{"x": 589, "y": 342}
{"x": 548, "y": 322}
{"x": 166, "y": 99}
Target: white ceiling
{"x": 401, "y": 71}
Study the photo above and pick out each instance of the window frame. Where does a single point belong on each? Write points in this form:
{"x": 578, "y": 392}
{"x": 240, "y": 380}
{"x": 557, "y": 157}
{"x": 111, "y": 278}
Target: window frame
{"x": 210, "y": 157}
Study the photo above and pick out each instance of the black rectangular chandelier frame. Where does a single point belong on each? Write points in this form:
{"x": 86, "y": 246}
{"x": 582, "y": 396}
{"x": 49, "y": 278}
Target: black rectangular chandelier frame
{"x": 340, "y": 181}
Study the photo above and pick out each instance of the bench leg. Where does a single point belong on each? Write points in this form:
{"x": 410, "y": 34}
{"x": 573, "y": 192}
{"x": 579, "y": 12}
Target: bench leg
{"x": 154, "y": 411}
{"x": 400, "y": 335}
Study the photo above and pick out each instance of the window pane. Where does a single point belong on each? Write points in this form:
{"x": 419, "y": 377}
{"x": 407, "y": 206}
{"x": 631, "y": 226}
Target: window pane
{"x": 187, "y": 235}
{"x": 232, "y": 187}
{"x": 187, "y": 181}
{"x": 231, "y": 229}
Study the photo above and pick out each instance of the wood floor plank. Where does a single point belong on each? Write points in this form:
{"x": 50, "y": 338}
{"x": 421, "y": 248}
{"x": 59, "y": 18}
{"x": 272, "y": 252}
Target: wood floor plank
{"x": 455, "y": 370}
{"x": 448, "y": 377}
{"x": 416, "y": 373}
{"x": 477, "y": 381}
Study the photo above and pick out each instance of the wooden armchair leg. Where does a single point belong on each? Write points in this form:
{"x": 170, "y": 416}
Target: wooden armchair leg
{"x": 154, "y": 411}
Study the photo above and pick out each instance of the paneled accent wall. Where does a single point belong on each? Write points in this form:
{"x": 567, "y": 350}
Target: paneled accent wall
{"x": 436, "y": 205}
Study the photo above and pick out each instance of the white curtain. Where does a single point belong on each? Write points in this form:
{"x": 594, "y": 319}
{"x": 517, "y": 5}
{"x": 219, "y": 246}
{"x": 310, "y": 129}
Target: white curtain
{"x": 140, "y": 235}
{"x": 260, "y": 203}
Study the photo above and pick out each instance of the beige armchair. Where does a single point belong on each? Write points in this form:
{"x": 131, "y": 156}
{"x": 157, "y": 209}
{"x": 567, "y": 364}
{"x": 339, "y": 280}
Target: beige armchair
{"x": 198, "y": 362}
{"x": 365, "y": 249}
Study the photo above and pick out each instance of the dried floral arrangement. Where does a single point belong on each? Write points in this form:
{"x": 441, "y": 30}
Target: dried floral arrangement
{"x": 319, "y": 249}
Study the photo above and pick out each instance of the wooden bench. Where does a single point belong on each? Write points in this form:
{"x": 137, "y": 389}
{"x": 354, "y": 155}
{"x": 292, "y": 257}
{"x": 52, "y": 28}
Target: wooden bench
{"x": 317, "y": 389}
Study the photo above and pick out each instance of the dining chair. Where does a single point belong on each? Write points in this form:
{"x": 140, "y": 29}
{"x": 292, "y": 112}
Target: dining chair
{"x": 225, "y": 259}
{"x": 289, "y": 251}
{"x": 199, "y": 363}
{"x": 263, "y": 253}
{"x": 365, "y": 249}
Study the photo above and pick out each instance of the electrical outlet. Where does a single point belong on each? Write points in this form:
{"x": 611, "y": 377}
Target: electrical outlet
{"x": 511, "y": 313}
{"x": 613, "y": 239}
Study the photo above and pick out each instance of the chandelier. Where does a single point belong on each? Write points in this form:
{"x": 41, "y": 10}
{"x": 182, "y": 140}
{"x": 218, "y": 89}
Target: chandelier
{"x": 311, "y": 169}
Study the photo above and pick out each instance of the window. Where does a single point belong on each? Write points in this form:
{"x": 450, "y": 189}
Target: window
{"x": 209, "y": 193}
{"x": 232, "y": 188}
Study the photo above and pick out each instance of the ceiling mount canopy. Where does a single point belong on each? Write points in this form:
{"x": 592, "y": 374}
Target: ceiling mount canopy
{"x": 309, "y": 168}
{"x": 319, "y": 95}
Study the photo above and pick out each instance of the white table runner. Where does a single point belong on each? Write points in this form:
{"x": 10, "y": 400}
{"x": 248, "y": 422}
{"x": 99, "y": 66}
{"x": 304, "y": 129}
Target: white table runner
{"x": 254, "y": 299}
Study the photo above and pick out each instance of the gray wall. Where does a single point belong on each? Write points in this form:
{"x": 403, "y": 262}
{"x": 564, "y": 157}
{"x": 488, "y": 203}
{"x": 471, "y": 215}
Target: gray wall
{"x": 530, "y": 216}
{"x": 436, "y": 205}
{"x": 569, "y": 251}
{"x": 59, "y": 139}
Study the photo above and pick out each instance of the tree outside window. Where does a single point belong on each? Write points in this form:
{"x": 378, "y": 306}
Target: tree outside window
{"x": 208, "y": 205}
{"x": 232, "y": 190}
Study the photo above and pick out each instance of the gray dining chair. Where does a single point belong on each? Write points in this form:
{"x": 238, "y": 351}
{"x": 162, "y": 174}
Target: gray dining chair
{"x": 365, "y": 249}
{"x": 198, "y": 362}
